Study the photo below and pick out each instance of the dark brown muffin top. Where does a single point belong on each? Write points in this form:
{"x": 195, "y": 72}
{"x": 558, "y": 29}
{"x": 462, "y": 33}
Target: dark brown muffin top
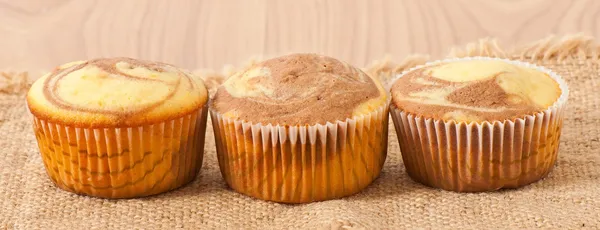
{"x": 298, "y": 89}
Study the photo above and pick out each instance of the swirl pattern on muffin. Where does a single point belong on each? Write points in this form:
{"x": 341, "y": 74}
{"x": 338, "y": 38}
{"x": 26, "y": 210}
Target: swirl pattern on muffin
{"x": 483, "y": 90}
{"x": 119, "y": 127}
{"x": 300, "y": 128}
{"x": 115, "y": 92}
{"x": 299, "y": 89}
{"x": 478, "y": 124}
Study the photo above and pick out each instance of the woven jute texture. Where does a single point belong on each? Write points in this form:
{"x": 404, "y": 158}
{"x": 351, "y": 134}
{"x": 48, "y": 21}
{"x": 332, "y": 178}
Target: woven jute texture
{"x": 568, "y": 198}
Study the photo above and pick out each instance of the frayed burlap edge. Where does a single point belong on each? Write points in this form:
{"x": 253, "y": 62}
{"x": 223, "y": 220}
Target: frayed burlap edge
{"x": 558, "y": 48}
{"x": 14, "y": 82}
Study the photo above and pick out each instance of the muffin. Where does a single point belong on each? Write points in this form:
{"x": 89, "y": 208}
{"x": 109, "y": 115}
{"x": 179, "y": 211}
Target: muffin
{"x": 119, "y": 127}
{"x": 300, "y": 128}
{"x": 478, "y": 124}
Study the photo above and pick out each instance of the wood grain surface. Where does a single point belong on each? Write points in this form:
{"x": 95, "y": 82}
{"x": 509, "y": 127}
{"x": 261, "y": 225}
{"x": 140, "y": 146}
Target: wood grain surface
{"x": 40, "y": 34}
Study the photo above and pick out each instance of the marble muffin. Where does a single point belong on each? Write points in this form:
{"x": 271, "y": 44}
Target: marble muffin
{"x": 300, "y": 128}
{"x": 119, "y": 127}
{"x": 478, "y": 124}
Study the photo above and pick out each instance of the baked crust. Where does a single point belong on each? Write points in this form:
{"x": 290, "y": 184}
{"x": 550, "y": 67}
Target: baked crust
{"x": 115, "y": 92}
{"x": 298, "y": 89}
{"x": 474, "y": 91}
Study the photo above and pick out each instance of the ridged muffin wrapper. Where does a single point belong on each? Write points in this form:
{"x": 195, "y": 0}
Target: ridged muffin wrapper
{"x": 484, "y": 156}
{"x": 123, "y": 162}
{"x": 299, "y": 164}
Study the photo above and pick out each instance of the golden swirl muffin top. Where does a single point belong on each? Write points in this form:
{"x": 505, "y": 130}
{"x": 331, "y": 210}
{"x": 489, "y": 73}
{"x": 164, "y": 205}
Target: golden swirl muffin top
{"x": 115, "y": 92}
{"x": 298, "y": 89}
{"x": 475, "y": 90}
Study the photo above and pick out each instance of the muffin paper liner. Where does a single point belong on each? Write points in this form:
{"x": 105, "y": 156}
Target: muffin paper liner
{"x": 123, "y": 162}
{"x": 485, "y": 156}
{"x": 298, "y": 164}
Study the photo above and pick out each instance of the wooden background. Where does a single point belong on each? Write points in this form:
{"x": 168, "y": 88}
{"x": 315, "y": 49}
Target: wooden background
{"x": 40, "y": 34}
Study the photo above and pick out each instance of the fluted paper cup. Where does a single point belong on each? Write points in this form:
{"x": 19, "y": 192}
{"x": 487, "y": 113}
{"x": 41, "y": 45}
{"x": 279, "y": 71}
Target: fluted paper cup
{"x": 123, "y": 162}
{"x": 481, "y": 156}
{"x": 299, "y": 164}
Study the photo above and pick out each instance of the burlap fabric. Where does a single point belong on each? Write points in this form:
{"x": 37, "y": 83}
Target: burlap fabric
{"x": 567, "y": 198}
